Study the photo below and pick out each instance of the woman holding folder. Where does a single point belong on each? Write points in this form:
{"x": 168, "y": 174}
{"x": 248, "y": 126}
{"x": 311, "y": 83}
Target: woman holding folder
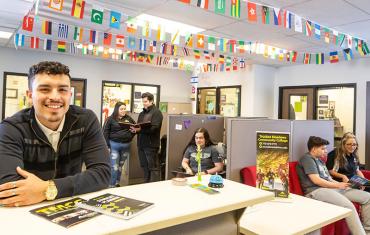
{"x": 118, "y": 137}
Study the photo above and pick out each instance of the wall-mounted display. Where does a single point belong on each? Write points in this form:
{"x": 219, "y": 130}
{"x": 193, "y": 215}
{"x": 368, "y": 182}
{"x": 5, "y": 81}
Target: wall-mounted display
{"x": 16, "y": 86}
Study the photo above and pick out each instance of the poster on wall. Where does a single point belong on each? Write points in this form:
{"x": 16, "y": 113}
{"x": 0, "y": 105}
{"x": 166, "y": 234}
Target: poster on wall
{"x": 272, "y": 166}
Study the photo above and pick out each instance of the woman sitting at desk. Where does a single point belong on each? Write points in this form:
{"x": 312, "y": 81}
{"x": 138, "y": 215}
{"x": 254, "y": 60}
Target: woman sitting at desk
{"x": 211, "y": 161}
{"x": 343, "y": 162}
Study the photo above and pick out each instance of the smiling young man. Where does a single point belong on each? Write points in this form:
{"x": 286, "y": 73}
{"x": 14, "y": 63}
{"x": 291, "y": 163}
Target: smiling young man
{"x": 42, "y": 148}
{"x": 317, "y": 183}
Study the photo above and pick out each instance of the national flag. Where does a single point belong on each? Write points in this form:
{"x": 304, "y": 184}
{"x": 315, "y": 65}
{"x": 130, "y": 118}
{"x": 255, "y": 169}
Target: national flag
{"x": 277, "y": 16}
{"x": 347, "y": 54}
{"x": 47, "y": 44}
{"x": 78, "y": 7}
{"x": 46, "y": 27}
{"x": 242, "y": 63}
{"x": 196, "y": 54}
{"x": 334, "y": 57}
{"x": 159, "y": 60}
{"x": 85, "y": 50}
{"x": 340, "y": 39}
{"x": 61, "y": 46}
{"x": 327, "y": 35}
{"x": 252, "y": 12}
{"x": 175, "y": 63}
{"x": 78, "y": 34}
{"x": 163, "y": 48}
{"x": 203, "y": 4}
{"x": 232, "y": 44}
{"x": 149, "y": 59}
{"x": 72, "y": 48}
{"x": 308, "y": 28}
{"x": 222, "y": 44}
{"x": 189, "y": 40}
{"x": 211, "y": 43}
{"x": 235, "y": 63}
{"x": 349, "y": 41}
{"x": 35, "y": 42}
{"x": 185, "y": 1}
{"x": 97, "y": 14}
{"x": 317, "y": 31}
{"x": 228, "y": 63}
{"x": 63, "y": 30}
{"x": 173, "y": 50}
{"x": 298, "y": 23}
{"x": 131, "y": 43}
{"x": 146, "y": 31}
{"x": 93, "y": 36}
{"x": 175, "y": 38}
{"x": 166, "y": 60}
{"x": 141, "y": 57}
{"x": 265, "y": 15}
{"x": 235, "y": 8}
{"x": 320, "y": 58}
{"x": 288, "y": 19}
{"x": 306, "y": 58}
{"x": 107, "y": 39}
{"x": 241, "y": 46}
{"x": 115, "y": 20}
{"x": 120, "y": 41}
{"x": 96, "y": 50}
{"x": 365, "y": 48}
{"x": 131, "y": 25}
{"x": 27, "y": 24}
{"x": 142, "y": 44}
{"x": 206, "y": 55}
{"x": 185, "y": 51}
{"x": 293, "y": 56}
{"x": 220, "y": 7}
{"x": 153, "y": 46}
{"x": 221, "y": 59}
{"x": 56, "y": 4}
{"x": 200, "y": 40}
{"x": 335, "y": 37}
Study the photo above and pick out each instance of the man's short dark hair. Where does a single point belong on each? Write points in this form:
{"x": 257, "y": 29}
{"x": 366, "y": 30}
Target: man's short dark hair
{"x": 315, "y": 141}
{"x": 148, "y": 95}
{"x": 48, "y": 67}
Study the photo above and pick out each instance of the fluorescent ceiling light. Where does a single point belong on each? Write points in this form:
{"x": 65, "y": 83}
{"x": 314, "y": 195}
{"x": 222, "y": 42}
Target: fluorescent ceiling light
{"x": 4, "y": 34}
{"x": 169, "y": 26}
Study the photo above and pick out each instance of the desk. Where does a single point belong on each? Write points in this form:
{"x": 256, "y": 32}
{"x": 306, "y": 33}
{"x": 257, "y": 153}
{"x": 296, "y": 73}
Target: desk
{"x": 301, "y": 215}
{"x": 177, "y": 208}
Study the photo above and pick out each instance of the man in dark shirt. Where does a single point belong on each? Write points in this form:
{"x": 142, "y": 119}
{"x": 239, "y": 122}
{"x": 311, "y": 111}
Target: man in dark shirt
{"x": 317, "y": 183}
{"x": 42, "y": 148}
{"x": 148, "y": 138}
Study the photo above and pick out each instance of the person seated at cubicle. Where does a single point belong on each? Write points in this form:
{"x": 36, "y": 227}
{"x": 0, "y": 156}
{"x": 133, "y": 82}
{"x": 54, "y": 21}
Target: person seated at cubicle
{"x": 42, "y": 148}
{"x": 118, "y": 139}
{"x": 211, "y": 162}
{"x": 343, "y": 162}
{"x": 317, "y": 183}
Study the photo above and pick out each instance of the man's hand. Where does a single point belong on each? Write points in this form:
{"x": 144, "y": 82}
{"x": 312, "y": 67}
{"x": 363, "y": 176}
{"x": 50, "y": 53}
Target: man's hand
{"x": 28, "y": 191}
{"x": 134, "y": 130}
{"x": 342, "y": 185}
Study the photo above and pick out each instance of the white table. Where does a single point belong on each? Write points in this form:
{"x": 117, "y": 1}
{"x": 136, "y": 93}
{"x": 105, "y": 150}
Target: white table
{"x": 299, "y": 216}
{"x": 177, "y": 208}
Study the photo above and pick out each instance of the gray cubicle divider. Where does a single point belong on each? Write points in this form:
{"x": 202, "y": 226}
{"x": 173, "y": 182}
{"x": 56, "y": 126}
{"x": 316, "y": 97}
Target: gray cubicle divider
{"x": 180, "y": 129}
{"x": 241, "y": 139}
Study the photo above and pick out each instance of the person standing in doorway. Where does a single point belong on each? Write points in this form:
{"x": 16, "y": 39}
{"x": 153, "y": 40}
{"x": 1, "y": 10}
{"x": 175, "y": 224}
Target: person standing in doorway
{"x": 148, "y": 139}
{"x": 118, "y": 139}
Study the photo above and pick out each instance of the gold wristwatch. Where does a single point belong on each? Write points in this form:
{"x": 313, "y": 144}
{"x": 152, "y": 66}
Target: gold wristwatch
{"x": 51, "y": 191}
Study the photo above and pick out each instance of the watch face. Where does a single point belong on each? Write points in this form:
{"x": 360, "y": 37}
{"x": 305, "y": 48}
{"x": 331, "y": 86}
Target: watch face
{"x": 51, "y": 192}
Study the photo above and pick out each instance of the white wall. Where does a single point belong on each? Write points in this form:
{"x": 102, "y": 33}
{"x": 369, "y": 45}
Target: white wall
{"x": 257, "y": 83}
{"x": 175, "y": 86}
{"x": 356, "y": 71}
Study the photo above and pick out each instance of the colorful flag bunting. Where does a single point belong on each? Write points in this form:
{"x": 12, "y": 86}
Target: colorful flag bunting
{"x": 221, "y": 59}
{"x": 47, "y": 44}
{"x": 347, "y": 54}
{"x": 63, "y": 30}
{"x": 308, "y": 28}
{"x": 153, "y": 46}
{"x": 334, "y": 57}
{"x": 220, "y": 7}
{"x": 203, "y": 4}
{"x": 252, "y": 12}
{"x": 27, "y": 24}
{"x": 61, "y": 46}
{"x": 97, "y": 14}
{"x": 72, "y": 48}
{"x": 232, "y": 44}
{"x": 277, "y": 16}
{"x": 107, "y": 41}
{"x": 235, "y": 8}
{"x": 185, "y": 1}
{"x": 200, "y": 40}
{"x": 78, "y": 8}
{"x": 131, "y": 26}
{"x": 35, "y": 42}
{"x": 175, "y": 38}
{"x": 306, "y": 58}
{"x": 196, "y": 54}
{"x": 241, "y": 46}
{"x": 349, "y": 41}
{"x": 206, "y": 55}
{"x": 320, "y": 58}
{"x": 56, "y": 4}
{"x": 265, "y": 15}
{"x": 185, "y": 51}
{"x": 163, "y": 48}
{"x": 146, "y": 31}
{"x": 298, "y": 23}
{"x": 211, "y": 43}
{"x": 288, "y": 19}
{"x": 93, "y": 36}
{"x": 78, "y": 34}
{"x": 46, "y": 27}
{"x": 120, "y": 41}
{"x": 317, "y": 31}
{"x": 142, "y": 44}
{"x": 115, "y": 20}
{"x": 131, "y": 43}
{"x": 327, "y": 35}
{"x": 189, "y": 40}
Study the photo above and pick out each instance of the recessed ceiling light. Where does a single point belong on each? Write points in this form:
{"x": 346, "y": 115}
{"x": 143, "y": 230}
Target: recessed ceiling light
{"x": 4, "y": 34}
{"x": 170, "y": 26}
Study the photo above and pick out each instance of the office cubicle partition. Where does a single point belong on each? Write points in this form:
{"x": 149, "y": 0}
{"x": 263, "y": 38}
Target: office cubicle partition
{"x": 241, "y": 139}
{"x": 180, "y": 129}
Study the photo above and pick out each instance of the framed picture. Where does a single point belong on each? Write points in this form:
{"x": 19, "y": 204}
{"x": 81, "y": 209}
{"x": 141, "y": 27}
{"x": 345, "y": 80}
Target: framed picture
{"x": 331, "y": 104}
{"x": 11, "y": 93}
{"x": 323, "y": 99}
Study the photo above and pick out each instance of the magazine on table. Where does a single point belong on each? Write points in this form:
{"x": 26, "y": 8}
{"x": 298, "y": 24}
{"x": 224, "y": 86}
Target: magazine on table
{"x": 65, "y": 213}
{"x": 117, "y": 206}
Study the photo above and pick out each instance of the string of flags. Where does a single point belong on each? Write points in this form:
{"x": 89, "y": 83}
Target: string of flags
{"x": 219, "y": 54}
